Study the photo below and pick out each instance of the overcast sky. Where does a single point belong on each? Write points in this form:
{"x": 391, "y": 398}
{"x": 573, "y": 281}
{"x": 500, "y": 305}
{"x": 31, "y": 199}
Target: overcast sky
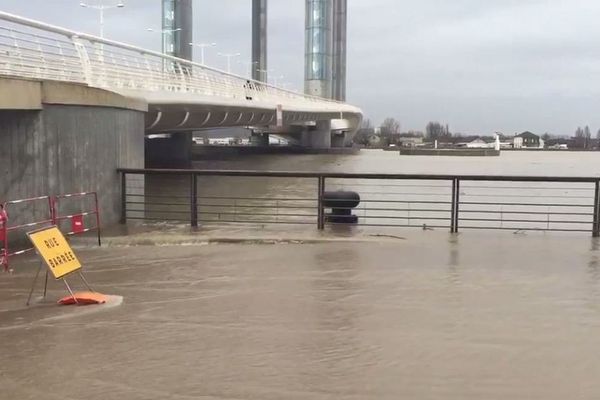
{"x": 479, "y": 65}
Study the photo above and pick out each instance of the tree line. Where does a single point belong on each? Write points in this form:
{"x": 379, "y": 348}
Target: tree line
{"x": 390, "y": 132}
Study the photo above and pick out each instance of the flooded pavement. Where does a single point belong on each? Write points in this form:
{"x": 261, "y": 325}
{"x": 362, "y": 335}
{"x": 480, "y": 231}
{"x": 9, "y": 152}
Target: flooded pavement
{"x": 475, "y": 316}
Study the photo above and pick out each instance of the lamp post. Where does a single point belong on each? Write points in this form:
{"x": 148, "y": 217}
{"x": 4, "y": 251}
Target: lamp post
{"x": 264, "y": 74}
{"x": 101, "y": 7}
{"x": 276, "y": 79}
{"x": 164, "y": 33}
{"x": 250, "y": 65}
{"x": 202, "y": 46}
{"x": 229, "y": 56}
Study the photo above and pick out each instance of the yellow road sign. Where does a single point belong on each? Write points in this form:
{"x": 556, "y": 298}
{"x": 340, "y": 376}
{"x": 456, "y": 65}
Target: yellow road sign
{"x": 55, "y": 251}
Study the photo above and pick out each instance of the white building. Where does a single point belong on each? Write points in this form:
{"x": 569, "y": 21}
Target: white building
{"x": 528, "y": 140}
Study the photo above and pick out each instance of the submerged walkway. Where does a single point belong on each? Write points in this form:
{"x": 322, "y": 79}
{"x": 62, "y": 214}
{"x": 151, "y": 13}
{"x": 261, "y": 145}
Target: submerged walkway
{"x": 428, "y": 316}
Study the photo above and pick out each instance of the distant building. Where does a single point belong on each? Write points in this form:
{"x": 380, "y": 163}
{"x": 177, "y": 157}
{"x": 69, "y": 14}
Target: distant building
{"x": 405, "y": 141}
{"x": 476, "y": 143}
{"x": 479, "y": 143}
{"x": 528, "y": 140}
{"x": 559, "y": 144}
{"x": 374, "y": 140}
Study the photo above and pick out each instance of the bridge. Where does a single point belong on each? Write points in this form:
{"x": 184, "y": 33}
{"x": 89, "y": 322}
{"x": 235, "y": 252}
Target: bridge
{"x": 75, "y": 107}
{"x": 181, "y": 96}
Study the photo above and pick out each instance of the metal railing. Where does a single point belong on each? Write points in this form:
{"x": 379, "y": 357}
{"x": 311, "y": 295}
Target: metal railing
{"x": 83, "y": 215}
{"x": 37, "y": 50}
{"x": 453, "y": 202}
{"x": 25, "y": 215}
{"x": 35, "y": 212}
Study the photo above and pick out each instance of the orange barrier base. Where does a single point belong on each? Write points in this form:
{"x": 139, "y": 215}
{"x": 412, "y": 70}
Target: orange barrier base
{"x": 83, "y": 299}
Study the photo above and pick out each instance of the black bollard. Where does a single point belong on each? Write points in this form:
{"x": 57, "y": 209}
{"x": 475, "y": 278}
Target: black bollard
{"x": 341, "y": 204}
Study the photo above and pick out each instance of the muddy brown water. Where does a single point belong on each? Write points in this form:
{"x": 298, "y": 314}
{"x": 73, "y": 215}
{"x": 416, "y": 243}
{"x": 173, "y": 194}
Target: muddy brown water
{"x": 474, "y": 316}
{"x": 480, "y": 315}
{"x": 385, "y": 202}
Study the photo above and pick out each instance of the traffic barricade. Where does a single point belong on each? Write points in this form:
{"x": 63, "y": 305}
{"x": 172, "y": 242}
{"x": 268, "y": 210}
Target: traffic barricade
{"x": 21, "y": 216}
{"x": 77, "y": 213}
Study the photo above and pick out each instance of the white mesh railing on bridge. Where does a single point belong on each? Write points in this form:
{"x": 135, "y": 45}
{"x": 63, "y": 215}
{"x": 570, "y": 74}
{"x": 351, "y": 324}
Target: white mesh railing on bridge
{"x": 32, "y": 49}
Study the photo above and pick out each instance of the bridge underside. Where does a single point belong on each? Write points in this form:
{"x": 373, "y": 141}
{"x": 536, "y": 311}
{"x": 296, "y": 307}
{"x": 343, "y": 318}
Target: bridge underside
{"x": 167, "y": 118}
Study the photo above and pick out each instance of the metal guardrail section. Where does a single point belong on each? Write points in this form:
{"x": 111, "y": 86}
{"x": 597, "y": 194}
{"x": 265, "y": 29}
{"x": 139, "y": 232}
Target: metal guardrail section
{"x": 453, "y": 202}
{"x": 45, "y": 211}
{"x": 32, "y": 49}
{"x": 36, "y": 212}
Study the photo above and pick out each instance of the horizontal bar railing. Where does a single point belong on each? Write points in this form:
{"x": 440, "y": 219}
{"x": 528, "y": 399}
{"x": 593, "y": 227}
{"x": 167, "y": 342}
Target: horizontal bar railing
{"x": 428, "y": 201}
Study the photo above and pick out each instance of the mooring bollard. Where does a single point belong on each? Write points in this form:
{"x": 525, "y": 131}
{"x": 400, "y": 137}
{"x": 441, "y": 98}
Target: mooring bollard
{"x": 341, "y": 203}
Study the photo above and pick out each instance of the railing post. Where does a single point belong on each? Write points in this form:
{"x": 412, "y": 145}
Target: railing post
{"x": 194, "y": 200}
{"x": 84, "y": 59}
{"x": 596, "y": 224}
{"x": 321, "y": 210}
{"x": 123, "y": 198}
{"x": 4, "y": 240}
{"x": 97, "y": 219}
{"x": 455, "y": 205}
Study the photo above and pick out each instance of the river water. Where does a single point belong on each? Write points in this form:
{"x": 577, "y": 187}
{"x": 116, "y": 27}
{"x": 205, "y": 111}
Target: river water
{"x": 479, "y": 315}
{"x": 467, "y": 317}
{"x": 377, "y": 161}
{"x": 417, "y": 203}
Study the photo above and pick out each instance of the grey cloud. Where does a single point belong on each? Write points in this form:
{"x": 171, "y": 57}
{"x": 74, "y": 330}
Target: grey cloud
{"x": 481, "y": 66}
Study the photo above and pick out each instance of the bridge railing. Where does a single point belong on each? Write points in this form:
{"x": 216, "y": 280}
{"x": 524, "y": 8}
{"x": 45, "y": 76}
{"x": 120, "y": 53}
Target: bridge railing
{"x": 452, "y": 202}
{"x": 36, "y": 50}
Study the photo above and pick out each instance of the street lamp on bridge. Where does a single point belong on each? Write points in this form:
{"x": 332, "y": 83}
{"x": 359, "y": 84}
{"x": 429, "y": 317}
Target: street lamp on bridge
{"x": 101, "y": 7}
{"x": 166, "y": 43}
{"x": 264, "y": 74}
{"x": 229, "y": 56}
{"x": 202, "y": 46}
{"x": 250, "y": 65}
{"x": 277, "y": 79}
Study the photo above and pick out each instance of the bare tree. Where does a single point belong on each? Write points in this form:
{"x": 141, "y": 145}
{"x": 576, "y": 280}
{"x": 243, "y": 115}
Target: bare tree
{"x": 366, "y": 124}
{"x": 362, "y": 136}
{"x": 391, "y": 126}
{"x": 587, "y": 136}
{"x": 389, "y": 131}
{"x": 579, "y": 138}
{"x": 435, "y": 130}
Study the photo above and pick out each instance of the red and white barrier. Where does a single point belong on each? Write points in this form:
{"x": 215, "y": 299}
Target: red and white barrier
{"x": 86, "y": 221}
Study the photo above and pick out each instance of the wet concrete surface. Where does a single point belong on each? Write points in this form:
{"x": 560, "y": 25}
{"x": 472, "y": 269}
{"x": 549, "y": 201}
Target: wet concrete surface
{"x": 433, "y": 316}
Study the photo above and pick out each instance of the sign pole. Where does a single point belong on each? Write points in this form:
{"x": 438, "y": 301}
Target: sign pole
{"x": 86, "y": 283}
{"x": 56, "y": 253}
{"x": 33, "y": 285}
{"x": 70, "y": 291}
{"x": 45, "y": 284}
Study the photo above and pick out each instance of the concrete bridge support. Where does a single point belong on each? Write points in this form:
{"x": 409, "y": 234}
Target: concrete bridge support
{"x": 318, "y": 136}
{"x": 58, "y": 138}
{"x": 338, "y": 139}
{"x": 169, "y": 151}
{"x": 259, "y": 139}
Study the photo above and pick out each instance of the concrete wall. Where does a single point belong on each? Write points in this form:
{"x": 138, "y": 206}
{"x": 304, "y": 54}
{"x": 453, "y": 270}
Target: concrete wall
{"x": 66, "y": 149}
